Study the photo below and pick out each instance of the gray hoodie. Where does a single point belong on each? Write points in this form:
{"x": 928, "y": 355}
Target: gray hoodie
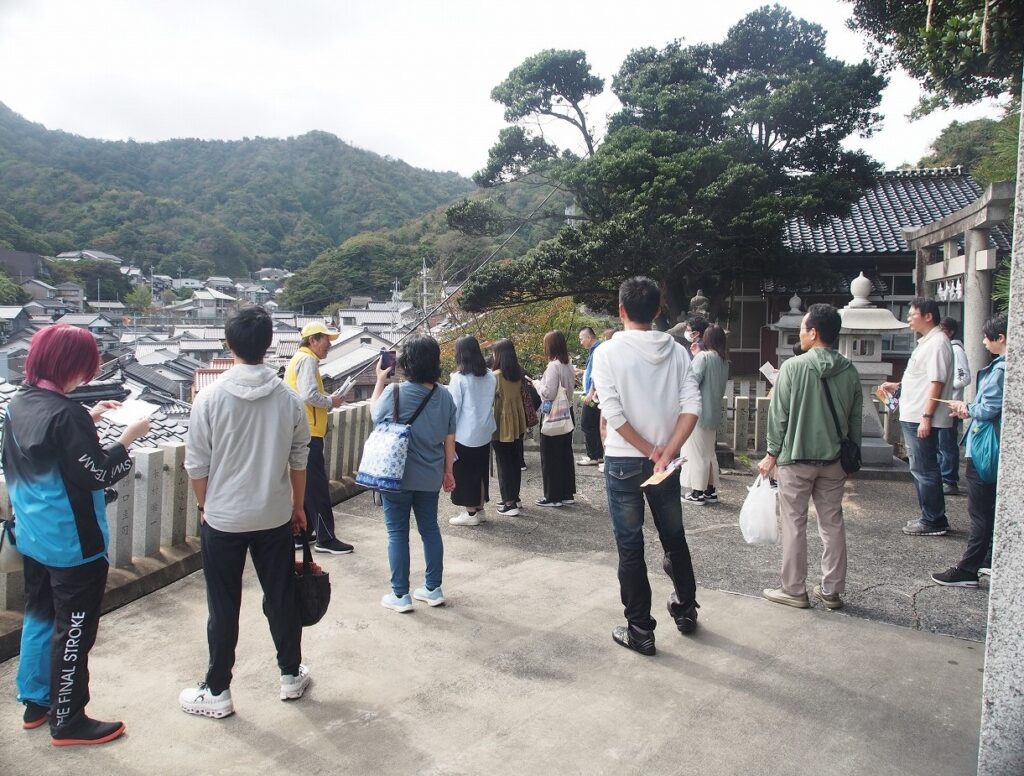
{"x": 643, "y": 378}
{"x": 246, "y": 432}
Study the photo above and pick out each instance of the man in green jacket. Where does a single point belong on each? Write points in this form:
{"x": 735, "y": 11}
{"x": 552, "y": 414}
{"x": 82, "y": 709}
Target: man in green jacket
{"x": 803, "y": 443}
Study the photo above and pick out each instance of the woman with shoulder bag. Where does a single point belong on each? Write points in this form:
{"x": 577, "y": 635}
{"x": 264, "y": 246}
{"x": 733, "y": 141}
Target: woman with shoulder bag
{"x": 984, "y": 416}
{"x": 429, "y": 466}
{"x": 558, "y": 470}
{"x": 472, "y": 388}
{"x": 510, "y": 415}
{"x": 56, "y": 471}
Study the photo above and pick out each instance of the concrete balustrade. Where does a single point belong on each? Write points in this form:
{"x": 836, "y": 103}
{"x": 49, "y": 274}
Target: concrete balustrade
{"x": 154, "y": 520}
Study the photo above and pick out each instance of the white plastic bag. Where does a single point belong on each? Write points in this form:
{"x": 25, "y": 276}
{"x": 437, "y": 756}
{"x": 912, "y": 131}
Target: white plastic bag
{"x": 757, "y": 518}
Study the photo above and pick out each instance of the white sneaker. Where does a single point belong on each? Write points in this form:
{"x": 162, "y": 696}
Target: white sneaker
{"x": 600, "y": 468}
{"x": 201, "y": 700}
{"x": 588, "y": 461}
{"x": 464, "y": 518}
{"x": 393, "y": 602}
{"x": 432, "y": 597}
{"x": 568, "y": 502}
{"x": 292, "y": 687}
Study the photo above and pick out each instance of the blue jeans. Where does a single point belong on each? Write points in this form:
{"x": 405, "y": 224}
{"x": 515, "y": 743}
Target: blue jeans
{"x": 949, "y": 453}
{"x": 924, "y": 466}
{"x": 397, "y": 505}
{"x": 622, "y": 478}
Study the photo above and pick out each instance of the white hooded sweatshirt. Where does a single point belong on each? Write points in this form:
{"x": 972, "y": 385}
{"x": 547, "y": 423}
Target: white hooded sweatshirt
{"x": 643, "y": 378}
{"x": 246, "y": 431}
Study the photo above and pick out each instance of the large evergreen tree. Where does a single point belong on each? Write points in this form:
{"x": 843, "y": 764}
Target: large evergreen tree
{"x": 715, "y": 147}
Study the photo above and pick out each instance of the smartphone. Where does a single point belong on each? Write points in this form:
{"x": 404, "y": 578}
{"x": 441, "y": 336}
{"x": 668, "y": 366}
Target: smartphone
{"x": 388, "y": 359}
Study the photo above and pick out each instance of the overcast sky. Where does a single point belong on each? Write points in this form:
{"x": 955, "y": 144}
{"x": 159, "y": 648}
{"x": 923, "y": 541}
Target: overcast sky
{"x": 407, "y": 78}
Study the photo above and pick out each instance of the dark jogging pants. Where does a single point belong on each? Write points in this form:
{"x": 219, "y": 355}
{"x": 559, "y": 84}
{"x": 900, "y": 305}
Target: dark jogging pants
{"x": 62, "y": 615}
{"x": 273, "y": 557}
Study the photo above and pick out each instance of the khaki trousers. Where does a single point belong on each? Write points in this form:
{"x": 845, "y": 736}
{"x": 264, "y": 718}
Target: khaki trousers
{"x": 798, "y": 484}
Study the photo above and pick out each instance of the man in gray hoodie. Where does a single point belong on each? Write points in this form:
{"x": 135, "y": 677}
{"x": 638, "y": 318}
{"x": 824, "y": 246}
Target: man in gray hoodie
{"x": 246, "y": 456}
{"x": 650, "y": 402}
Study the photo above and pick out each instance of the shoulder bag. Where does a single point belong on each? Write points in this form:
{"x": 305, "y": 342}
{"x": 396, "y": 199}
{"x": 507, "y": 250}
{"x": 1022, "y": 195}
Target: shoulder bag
{"x": 527, "y": 391}
{"x": 849, "y": 451}
{"x": 558, "y": 421}
{"x": 386, "y": 449}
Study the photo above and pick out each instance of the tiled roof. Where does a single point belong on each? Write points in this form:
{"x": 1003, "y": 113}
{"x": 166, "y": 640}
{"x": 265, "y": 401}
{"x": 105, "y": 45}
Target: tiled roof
{"x": 205, "y": 377}
{"x": 900, "y": 199}
{"x": 84, "y": 319}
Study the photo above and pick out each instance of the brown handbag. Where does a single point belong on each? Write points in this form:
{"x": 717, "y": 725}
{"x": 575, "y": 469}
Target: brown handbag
{"x": 528, "y": 402}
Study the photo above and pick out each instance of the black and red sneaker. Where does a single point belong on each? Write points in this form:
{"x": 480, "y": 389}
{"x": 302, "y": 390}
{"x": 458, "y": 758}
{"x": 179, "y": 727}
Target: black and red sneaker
{"x": 35, "y": 715}
{"x": 84, "y": 731}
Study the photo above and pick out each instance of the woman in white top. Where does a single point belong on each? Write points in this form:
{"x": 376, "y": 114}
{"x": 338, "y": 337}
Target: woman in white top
{"x": 472, "y": 388}
{"x": 710, "y": 367}
{"x": 557, "y": 467}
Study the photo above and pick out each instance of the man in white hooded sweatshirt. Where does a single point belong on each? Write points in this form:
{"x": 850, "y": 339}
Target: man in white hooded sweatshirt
{"x": 246, "y": 456}
{"x": 650, "y": 402}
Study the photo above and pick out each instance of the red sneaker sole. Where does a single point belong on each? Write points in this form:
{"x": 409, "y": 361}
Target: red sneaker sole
{"x": 34, "y": 725}
{"x": 83, "y": 742}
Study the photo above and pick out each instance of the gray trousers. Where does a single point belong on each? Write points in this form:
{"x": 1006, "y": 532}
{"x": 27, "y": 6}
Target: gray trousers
{"x": 798, "y": 484}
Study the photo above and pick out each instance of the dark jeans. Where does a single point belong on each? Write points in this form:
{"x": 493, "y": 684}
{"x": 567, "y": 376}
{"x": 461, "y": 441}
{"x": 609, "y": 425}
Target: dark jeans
{"x": 317, "y": 499}
{"x": 949, "y": 453}
{"x": 508, "y": 458}
{"x": 924, "y": 466}
{"x": 62, "y": 615}
{"x": 273, "y": 557}
{"x": 981, "y": 506}
{"x": 590, "y": 422}
{"x": 626, "y": 506}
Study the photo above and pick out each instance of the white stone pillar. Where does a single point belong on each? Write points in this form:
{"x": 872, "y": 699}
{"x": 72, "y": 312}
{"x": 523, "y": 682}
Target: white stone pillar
{"x": 1001, "y": 751}
{"x": 149, "y": 502}
{"x": 172, "y": 522}
{"x": 341, "y": 463}
{"x": 119, "y": 522}
{"x": 977, "y": 303}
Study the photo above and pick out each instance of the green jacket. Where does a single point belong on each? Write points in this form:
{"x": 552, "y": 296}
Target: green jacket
{"x": 800, "y": 426}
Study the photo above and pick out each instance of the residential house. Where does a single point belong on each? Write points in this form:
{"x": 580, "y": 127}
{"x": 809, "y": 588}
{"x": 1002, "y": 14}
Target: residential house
{"x": 253, "y": 293}
{"x": 88, "y": 255}
{"x": 190, "y": 283}
{"x": 48, "y": 309}
{"x": 37, "y": 289}
{"x": 220, "y": 283}
{"x": 96, "y": 323}
{"x": 274, "y": 274}
{"x": 12, "y": 320}
{"x": 72, "y": 294}
{"x": 113, "y": 309}
{"x": 22, "y": 265}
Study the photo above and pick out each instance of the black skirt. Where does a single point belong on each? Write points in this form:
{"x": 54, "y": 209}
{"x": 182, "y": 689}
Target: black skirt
{"x": 471, "y": 475}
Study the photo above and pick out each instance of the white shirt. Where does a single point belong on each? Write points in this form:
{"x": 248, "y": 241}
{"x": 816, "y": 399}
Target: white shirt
{"x": 474, "y": 408}
{"x": 643, "y": 378}
{"x": 931, "y": 361}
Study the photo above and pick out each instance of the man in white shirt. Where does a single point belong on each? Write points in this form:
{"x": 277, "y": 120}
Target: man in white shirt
{"x": 949, "y": 438}
{"x": 927, "y": 378}
{"x": 650, "y": 402}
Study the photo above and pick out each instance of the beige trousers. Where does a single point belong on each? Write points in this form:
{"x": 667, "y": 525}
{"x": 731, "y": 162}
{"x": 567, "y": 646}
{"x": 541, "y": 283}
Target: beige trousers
{"x": 798, "y": 484}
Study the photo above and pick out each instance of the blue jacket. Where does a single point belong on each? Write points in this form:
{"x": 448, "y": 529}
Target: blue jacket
{"x": 587, "y": 379}
{"x": 56, "y": 471}
{"x": 988, "y": 404}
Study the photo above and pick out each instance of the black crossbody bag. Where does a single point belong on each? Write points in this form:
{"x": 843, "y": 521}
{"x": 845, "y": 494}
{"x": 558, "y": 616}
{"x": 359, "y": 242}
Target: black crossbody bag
{"x": 849, "y": 451}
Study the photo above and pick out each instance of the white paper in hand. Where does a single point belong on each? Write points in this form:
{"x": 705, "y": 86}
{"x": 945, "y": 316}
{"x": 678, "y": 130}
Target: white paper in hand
{"x": 131, "y": 411}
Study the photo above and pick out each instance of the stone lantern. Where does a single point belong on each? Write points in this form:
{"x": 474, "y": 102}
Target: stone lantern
{"x": 860, "y": 340}
{"x": 788, "y": 327}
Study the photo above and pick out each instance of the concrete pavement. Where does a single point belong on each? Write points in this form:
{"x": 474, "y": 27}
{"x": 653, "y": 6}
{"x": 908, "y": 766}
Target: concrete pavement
{"x": 518, "y": 674}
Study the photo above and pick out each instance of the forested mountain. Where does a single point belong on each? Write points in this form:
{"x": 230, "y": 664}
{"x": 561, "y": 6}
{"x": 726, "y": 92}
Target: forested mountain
{"x": 202, "y": 206}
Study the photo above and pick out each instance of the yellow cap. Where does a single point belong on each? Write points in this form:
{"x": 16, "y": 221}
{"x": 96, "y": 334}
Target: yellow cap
{"x": 318, "y": 328}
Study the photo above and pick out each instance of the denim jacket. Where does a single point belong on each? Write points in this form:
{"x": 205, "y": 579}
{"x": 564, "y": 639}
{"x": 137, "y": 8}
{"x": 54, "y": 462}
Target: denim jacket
{"x": 988, "y": 404}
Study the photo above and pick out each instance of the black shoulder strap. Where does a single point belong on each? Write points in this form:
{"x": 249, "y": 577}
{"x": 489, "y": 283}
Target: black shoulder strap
{"x": 832, "y": 409}
{"x": 394, "y": 395}
{"x": 422, "y": 405}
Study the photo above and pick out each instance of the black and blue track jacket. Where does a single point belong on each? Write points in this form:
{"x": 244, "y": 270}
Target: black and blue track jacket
{"x": 56, "y": 471}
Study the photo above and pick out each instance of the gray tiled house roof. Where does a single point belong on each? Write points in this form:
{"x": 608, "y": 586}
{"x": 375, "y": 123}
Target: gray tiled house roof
{"x": 900, "y": 199}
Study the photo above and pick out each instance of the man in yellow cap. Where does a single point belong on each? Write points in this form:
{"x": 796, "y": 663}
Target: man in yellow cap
{"x": 303, "y": 377}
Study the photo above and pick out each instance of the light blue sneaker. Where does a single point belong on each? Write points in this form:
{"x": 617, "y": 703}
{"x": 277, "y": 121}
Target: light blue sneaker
{"x": 432, "y": 597}
{"x": 391, "y": 601}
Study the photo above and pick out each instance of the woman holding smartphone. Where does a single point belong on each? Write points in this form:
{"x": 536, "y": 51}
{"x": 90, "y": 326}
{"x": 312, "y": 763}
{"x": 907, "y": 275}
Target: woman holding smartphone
{"x": 558, "y": 470}
{"x": 429, "y": 466}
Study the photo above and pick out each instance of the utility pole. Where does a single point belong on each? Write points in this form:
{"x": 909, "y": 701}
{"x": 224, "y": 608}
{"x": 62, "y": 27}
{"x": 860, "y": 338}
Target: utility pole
{"x": 425, "y": 321}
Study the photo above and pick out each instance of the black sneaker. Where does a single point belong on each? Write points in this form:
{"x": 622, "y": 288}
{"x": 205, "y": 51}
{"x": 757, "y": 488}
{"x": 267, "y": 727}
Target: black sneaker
{"x": 334, "y": 547}
{"x": 35, "y": 715}
{"x": 627, "y": 636}
{"x": 508, "y": 509}
{"x": 695, "y": 497}
{"x": 547, "y": 503}
{"x": 955, "y": 576}
{"x": 684, "y": 616}
{"x": 298, "y": 540}
{"x": 711, "y": 496}
{"x": 84, "y": 731}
